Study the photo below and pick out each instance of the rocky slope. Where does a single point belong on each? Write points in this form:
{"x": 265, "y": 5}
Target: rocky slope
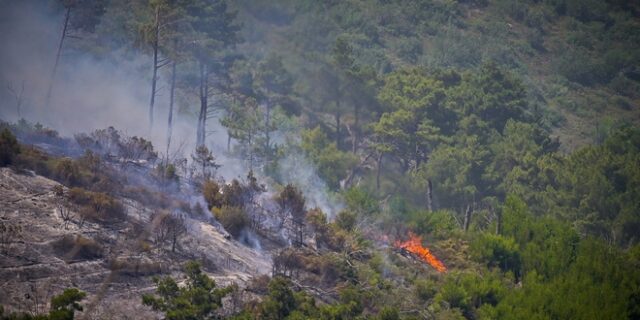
{"x": 41, "y": 254}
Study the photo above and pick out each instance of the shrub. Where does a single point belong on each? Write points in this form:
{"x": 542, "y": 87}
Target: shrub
{"x": 67, "y": 172}
{"x": 135, "y": 267}
{"x": 497, "y": 251}
{"x": 9, "y": 147}
{"x": 425, "y": 289}
{"x": 346, "y": 220}
{"x": 97, "y": 206}
{"x": 79, "y": 247}
{"x": 233, "y": 219}
{"x": 211, "y": 193}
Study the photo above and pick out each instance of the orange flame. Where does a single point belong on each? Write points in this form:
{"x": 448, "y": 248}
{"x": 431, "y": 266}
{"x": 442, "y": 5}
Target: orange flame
{"x": 414, "y": 245}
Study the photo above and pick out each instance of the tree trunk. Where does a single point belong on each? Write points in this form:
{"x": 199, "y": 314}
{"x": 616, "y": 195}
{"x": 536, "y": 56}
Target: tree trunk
{"x": 379, "y": 169}
{"x": 267, "y": 134}
{"x": 337, "y": 116}
{"x": 154, "y": 79}
{"x": 171, "y": 101}
{"x": 204, "y": 93}
{"x": 58, "y": 54}
{"x": 467, "y": 218}
{"x": 356, "y": 120}
{"x": 429, "y": 196}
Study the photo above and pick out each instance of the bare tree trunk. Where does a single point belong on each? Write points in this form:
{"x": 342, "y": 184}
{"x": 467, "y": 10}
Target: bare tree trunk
{"x": 379, "y": 169}
{"x": 171, "y": 101}
{"x": 467, "y": 218}
{"x": 204, "y": 93}
{"x": 356, "y": 120}
{"x": 154, "y": 79}
{"x": 267, "y": 133}
{"x": 429, "y": 196}
{"x": 338, "y": 115}
{"x": 58, "y": 54}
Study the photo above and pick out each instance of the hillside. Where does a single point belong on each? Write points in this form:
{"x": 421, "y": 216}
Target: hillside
{"x": 298, "y": 159}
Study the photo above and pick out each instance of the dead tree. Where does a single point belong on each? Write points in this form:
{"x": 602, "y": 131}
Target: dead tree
{"x": 176, "y": 229}
{"x": 18, "y": 96}
{"x": 292, "y": 202}
{"x": 168, "y": 227}
{"x": 63, "y": 205}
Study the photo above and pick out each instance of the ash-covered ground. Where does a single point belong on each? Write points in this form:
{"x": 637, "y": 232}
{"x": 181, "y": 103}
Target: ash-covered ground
{"x": 114, "y": 263}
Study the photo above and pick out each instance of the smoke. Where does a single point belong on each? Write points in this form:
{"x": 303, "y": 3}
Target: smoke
{"x": 297, "y": 170}
{"x": 94, "y": 90}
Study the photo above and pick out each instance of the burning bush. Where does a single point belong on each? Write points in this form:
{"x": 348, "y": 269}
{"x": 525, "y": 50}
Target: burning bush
{"x": 9, "y": 147}
{"x": 414, "y": 246}
{"x": 233, "y": 219}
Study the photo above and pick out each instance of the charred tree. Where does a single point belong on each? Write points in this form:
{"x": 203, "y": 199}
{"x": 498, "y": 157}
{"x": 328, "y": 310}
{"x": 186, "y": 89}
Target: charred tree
{"x": 18, "y": 96}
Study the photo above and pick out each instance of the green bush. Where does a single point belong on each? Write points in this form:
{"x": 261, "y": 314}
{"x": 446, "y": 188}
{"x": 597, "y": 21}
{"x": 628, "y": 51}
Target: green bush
{"x": 9, "y": 147}
{"x": 233, "y": 219}
{"x": 497, "y": 251}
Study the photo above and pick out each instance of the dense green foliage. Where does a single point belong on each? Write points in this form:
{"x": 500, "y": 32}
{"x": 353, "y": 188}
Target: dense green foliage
{"x": 63, "y": 307}
{"x": 198, "y": 299}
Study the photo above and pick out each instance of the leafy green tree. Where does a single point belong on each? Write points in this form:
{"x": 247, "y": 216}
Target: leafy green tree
{"x": 418, "y": 117}
{"x": 213, "y": 31}
{"x": 514, "y": 160}
{"x": 280, "y": 301}
{"x": 333, "y": 164}
{"x": 63, "y": 306}
{"x": 498, "y": 251}
{"x": 198, "y": 299}
{"x": 487, "y": 99}
{"x": 274, "y": 88}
